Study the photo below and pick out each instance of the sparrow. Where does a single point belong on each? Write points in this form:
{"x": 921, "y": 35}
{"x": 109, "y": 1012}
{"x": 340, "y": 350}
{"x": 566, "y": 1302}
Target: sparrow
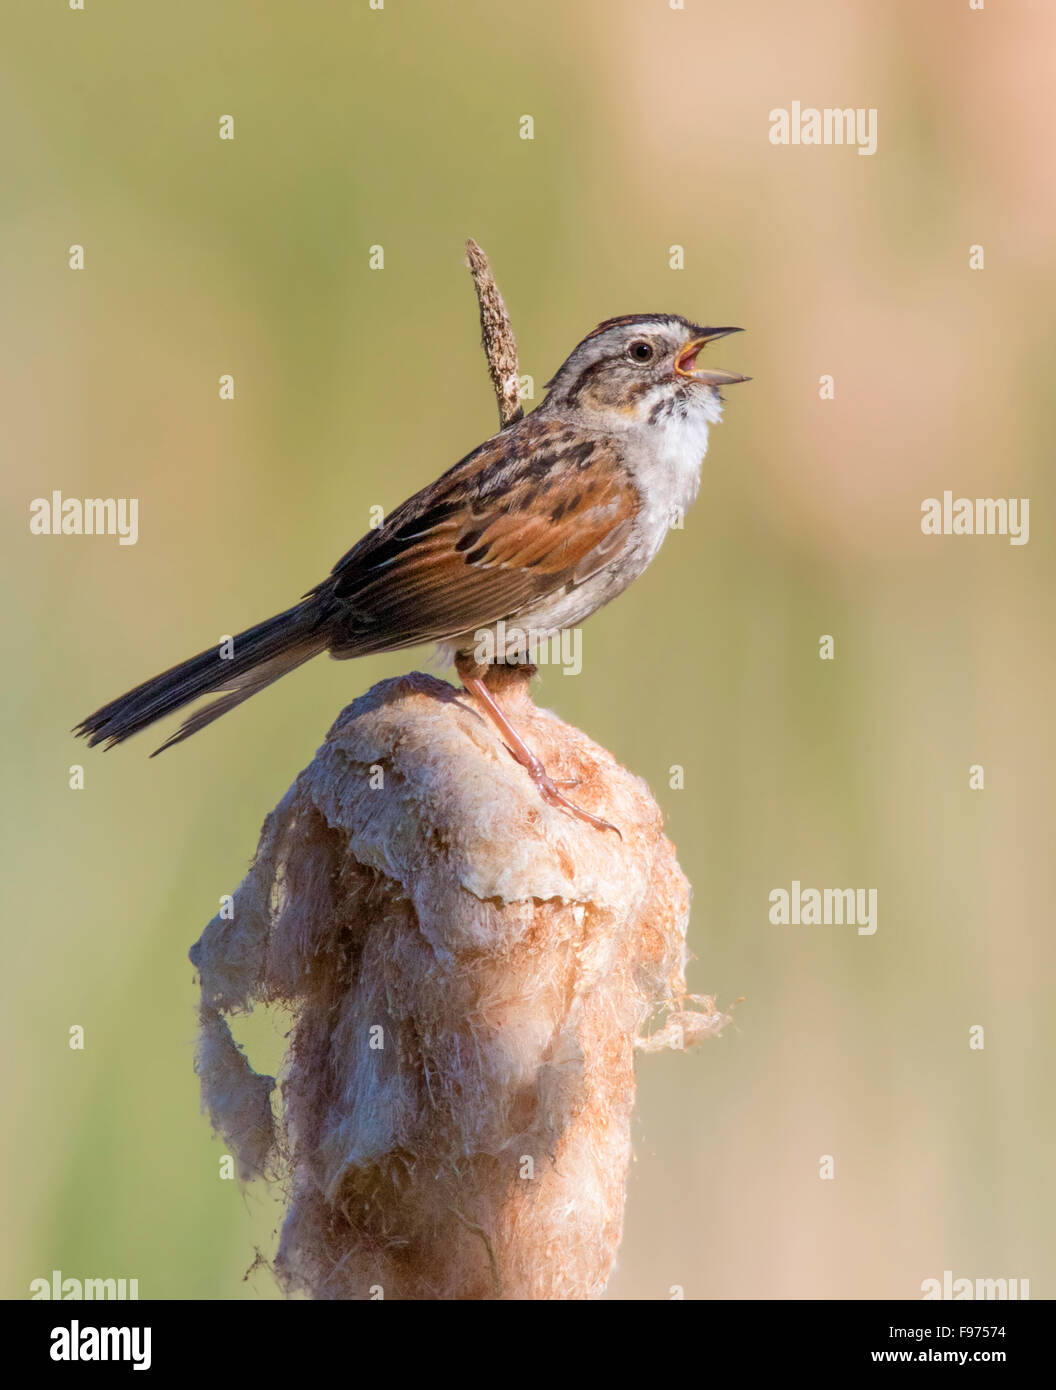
{"x": 535, "y": 530}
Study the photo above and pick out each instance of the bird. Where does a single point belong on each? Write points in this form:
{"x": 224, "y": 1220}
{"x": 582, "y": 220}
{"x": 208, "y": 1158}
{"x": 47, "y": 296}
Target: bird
{"x": 533, "y": 531}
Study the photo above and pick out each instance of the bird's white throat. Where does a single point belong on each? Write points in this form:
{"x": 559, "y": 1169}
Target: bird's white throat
{"x": 679, "y": 443}
{"x": 666, "y": 458}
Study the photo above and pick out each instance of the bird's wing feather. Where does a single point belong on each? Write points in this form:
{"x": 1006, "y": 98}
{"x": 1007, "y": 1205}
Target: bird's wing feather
{"x": 533, "y": 510}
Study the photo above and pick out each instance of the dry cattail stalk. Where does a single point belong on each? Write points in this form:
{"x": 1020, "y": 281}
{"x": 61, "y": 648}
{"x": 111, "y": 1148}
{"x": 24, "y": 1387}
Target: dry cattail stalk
{"x": 496, "y": 335}
{"x": 470, "y": 972}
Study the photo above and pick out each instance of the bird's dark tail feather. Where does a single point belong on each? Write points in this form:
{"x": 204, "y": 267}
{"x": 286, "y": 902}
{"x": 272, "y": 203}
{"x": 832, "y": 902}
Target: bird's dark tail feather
{"x": 259, "y": 656}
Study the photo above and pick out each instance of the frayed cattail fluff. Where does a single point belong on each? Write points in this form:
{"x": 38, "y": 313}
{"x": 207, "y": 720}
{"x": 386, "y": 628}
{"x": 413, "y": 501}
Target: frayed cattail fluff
{"x": 470, "y": 972}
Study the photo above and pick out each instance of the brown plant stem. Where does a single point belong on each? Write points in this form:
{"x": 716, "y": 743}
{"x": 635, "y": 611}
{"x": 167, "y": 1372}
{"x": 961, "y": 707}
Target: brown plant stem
{"x": 496, "y": 335}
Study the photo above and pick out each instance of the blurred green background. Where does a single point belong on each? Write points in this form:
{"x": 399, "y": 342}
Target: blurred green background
{"x": 354, "y": 387}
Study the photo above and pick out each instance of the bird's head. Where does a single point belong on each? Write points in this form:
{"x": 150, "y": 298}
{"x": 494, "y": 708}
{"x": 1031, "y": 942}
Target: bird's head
{"x": 641, "y": 368}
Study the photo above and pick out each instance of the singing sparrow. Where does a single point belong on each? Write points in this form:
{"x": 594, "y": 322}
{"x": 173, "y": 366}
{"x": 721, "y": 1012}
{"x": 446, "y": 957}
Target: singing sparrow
{"x": 533, "y": 531}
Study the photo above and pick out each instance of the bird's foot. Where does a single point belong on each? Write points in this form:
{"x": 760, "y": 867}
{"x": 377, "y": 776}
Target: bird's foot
{"x": 548, "y": 790}
{"x": 547, "y": 787}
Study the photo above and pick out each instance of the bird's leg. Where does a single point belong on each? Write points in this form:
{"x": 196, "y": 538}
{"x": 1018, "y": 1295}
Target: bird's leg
{"x": 545, "y": 784}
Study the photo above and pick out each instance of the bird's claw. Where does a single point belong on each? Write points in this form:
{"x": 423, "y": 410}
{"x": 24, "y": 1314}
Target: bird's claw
{"x": 548, "y": 789}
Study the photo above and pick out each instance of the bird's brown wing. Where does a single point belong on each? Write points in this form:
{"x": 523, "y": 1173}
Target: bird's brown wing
{"x": 535, "y": 509}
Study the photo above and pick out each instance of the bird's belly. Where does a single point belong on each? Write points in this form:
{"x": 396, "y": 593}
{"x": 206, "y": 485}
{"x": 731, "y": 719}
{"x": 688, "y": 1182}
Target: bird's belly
{"x": 532, "y": 626}
{"x": 574, "y": 605}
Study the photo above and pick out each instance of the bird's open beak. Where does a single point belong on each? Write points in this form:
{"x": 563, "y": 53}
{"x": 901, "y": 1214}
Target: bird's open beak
{"x": 686, "y": 361}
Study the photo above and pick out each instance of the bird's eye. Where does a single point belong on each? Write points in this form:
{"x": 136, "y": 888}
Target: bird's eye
{"x": 640, "y": 351}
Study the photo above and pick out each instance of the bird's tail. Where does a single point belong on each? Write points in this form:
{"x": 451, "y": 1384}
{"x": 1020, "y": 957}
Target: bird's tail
{"x": 251, "y": 661}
